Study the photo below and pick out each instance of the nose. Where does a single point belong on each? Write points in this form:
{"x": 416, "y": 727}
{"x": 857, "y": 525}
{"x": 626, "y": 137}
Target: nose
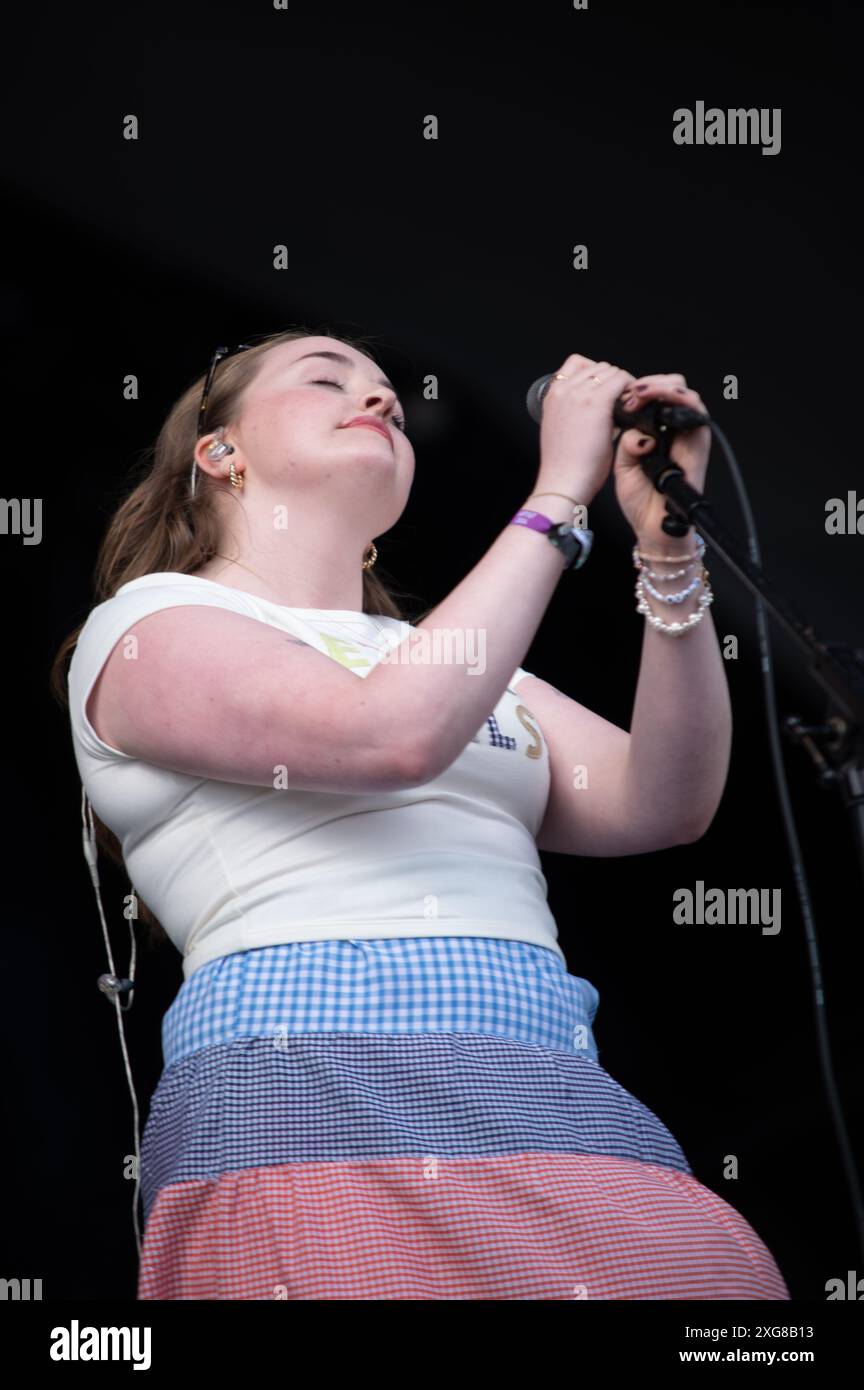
{"x": 378, "y": 395}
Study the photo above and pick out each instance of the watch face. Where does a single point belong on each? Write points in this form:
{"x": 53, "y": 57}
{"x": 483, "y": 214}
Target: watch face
{"x": 574, "y": 543}
{"x": 577, "y": 546}
{"x": 566, "y": 541}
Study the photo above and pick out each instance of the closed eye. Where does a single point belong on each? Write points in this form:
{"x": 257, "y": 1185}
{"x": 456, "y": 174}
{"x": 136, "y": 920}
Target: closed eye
{"x": 398, "y": 420}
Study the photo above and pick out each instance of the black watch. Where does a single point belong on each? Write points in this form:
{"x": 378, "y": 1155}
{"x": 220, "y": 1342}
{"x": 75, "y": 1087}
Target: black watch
{"x": 573, "y": 542}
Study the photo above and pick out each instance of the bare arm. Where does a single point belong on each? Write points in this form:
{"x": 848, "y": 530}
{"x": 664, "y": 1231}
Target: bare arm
{"x": 497, "y": 608}
{"x": 618, "y": 793}
{"x": 215, "y": 694}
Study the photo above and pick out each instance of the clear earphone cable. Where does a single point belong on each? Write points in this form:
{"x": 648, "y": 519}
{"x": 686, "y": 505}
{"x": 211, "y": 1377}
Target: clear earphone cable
{"x": 90, "y": 854}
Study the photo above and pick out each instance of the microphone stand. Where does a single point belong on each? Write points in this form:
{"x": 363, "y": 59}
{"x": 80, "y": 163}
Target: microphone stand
{"x": 836, "y": 747}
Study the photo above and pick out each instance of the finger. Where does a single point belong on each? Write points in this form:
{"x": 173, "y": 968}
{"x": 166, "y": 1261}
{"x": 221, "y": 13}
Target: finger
{"x": 607, "y": 375}
{"x": 646, "y": 391}
{"x": 590, "y": 379}
{"x": 596, "y": 374}
{"x": 575, "y": 363}
{"x": 573, "y": 372}
{"x": 637, "y": 444}
{"x": 665, "y": 378}
{"x": 578, "y": 368}
{"x": 595, "y": 371}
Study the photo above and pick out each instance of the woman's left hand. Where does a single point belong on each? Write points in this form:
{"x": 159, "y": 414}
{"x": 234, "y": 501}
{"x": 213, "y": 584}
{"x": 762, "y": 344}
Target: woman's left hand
{"x": 639, "y": 500}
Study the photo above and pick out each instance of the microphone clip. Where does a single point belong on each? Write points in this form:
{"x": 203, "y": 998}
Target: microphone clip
{"x": 660, "y": 468}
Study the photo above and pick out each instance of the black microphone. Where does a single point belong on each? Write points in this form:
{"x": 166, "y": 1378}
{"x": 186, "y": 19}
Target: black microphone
{"x": 651, "y": 418}
{"x": 658, "y": 419}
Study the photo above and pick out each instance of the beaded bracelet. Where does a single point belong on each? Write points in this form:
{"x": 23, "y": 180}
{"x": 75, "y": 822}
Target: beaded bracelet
{"x": 706, "y": 598}
{"x": 639, "y": 559}
{"x": 673, "y": 629}
{"x": 673, "y": 598}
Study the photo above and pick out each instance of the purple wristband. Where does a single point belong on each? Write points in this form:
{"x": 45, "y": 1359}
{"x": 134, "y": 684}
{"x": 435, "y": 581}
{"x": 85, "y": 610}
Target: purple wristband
{"x": 573, "y": 542}
{"x": 535, "y": 520}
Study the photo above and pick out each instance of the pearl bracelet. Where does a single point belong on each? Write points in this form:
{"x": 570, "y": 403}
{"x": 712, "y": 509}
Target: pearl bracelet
{"x": 674, "y": 629}
{"x": 642, "y": 584}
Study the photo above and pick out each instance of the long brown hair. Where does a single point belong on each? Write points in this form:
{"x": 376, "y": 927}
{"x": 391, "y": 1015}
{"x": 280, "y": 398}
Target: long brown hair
{"x": 161, "y": 526}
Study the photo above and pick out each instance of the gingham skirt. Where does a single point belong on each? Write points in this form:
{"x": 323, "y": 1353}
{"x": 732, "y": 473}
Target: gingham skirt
{"x": 419, "y": 1118}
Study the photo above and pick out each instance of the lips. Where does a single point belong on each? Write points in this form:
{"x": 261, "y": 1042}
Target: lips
{"x": 369, "y": 425}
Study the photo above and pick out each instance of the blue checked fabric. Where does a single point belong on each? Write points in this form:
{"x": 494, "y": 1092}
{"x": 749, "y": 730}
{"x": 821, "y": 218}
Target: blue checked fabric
{"x": 443, "y": 984}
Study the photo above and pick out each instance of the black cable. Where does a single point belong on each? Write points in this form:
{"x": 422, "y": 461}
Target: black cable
{"x": 793, "y": 844}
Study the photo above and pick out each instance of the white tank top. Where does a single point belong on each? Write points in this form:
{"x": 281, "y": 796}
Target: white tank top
{"x": 227, "y": 867}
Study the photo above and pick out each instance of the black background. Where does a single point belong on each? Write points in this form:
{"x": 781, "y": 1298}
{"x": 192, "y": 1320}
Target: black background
{"x": 260, "y": 127}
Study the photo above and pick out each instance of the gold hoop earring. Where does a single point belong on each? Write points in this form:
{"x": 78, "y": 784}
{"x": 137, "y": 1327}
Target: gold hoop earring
{"x": 370, "y": 560}
{"x": 235, "y": 478}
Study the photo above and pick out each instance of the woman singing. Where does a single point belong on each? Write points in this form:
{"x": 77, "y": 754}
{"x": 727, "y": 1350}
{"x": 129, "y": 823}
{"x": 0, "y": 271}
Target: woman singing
{"x": 380, "y": 1080}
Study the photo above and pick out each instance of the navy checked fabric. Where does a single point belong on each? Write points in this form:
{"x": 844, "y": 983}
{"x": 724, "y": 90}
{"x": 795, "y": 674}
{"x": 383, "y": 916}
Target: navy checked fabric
{"x": 498, "y": 739}
{"x": 254, "y": 1103}
{"x": 444, "y": 984}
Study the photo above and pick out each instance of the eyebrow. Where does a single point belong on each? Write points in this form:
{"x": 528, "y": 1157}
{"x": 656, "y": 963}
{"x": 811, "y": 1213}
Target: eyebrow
{"x": 340, "y": 357}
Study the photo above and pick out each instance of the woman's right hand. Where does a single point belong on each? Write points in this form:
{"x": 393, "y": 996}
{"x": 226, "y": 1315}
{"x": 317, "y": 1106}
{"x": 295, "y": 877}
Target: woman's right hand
{"x": 576, "y": 426}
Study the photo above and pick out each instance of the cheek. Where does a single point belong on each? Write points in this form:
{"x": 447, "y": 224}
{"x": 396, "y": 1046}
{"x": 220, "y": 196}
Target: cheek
{"x": 294, "y": 419}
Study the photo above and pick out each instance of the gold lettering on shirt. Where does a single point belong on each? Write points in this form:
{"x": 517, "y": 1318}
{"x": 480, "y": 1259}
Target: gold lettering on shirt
{"x": 535, "y": 749}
